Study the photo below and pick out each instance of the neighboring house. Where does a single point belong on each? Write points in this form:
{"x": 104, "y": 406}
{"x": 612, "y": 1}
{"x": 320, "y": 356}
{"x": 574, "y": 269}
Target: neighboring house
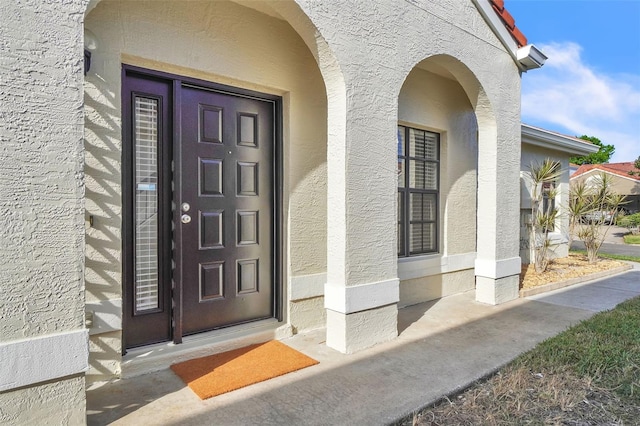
{"x": 537, "y": 145}
{"x": 625, "y": 180}
{"x": 229, "y": 172}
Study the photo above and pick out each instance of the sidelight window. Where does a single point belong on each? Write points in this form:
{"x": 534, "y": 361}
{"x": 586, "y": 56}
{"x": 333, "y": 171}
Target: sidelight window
{"x": 418, "y": 191}
{"x": 146, "y": 203}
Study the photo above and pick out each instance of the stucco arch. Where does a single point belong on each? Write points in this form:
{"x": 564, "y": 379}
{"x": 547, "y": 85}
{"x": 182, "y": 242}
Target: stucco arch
{"x": 494, "y": 115}
{"x": 449, "y": 66}
{"x": 303, "y": 71}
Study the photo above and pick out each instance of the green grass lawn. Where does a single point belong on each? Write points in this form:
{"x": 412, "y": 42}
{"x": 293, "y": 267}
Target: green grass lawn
{"x": 589, "y": 374}
{"x": 604, "y": 348}
{"x": 632, "y": 239}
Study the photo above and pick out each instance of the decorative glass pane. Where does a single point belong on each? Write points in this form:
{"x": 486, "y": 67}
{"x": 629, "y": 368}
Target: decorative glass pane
{"x": 423, "y": 144}
{"x": 423, "y": 175}
{"x": 146, "y": 203}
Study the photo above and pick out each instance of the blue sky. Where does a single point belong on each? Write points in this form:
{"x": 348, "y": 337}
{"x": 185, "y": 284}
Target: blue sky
{"x": 591, "y": 82}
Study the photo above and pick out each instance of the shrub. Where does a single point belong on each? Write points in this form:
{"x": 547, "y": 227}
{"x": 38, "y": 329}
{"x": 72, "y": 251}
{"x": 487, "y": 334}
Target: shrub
{"x": 629, "y": 221}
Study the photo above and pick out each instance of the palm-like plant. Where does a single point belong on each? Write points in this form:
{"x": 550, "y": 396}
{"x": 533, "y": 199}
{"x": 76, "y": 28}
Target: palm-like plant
{"x": 542, "y": 180}
{"x": 594, "y": 198}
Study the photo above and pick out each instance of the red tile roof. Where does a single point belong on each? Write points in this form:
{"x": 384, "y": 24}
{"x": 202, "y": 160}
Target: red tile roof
{"x": 620, "y": 169}
{"x": 509, "y": 22}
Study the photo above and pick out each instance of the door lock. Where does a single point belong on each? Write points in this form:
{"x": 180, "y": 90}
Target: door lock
{"x": 185, "y": 218}
{"x": 185, "y": 207}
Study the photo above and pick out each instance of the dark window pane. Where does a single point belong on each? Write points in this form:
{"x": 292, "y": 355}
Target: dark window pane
{"x": 423, "y": 144}
{"x": 423, "y": 238}
{"x": 400, "y": 223}
{"x": 401, "y": 142}
{"x": 401, "y": 161}
{"x": 423, "y": 175}
{"x": 422, "y": 207}
{"x": 416, "y": 174}
{"x": 418, "y": 168}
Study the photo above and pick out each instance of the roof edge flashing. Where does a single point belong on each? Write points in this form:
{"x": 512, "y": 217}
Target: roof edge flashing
{"x": 496, "y": 24}
{"x": 530, "y": 57}
{"x": 551, "y": 140}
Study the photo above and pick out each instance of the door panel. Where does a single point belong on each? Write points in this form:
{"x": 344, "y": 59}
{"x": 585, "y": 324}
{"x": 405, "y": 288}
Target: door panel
{"x": 147, "y": 111}
{"x": 227, "y": 180}
{"x": 199, "y": 231}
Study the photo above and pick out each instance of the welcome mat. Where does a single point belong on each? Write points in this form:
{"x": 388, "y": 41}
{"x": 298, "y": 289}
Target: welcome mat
{"x": 220, "y": 373}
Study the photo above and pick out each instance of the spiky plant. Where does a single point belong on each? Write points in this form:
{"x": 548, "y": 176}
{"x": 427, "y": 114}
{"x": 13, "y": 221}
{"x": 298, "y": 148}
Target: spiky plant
{"x": 597, "y": 198}
{"x": 542, "y": 220}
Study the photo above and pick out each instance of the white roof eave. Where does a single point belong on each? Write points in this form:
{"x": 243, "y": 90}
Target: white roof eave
{"x": 550, "y": 140}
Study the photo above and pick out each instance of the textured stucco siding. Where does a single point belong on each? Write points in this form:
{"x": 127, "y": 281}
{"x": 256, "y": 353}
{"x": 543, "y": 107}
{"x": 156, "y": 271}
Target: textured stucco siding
{"x": 423, "y": 289}
{"x": 55, "y": 403}
{"x": 41, "y": 205}
{"x": 41, "y": 179}
{"x": 405, "y": 34}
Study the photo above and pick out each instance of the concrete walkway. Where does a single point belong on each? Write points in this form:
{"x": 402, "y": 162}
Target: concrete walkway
{"x": 443, "y": 346}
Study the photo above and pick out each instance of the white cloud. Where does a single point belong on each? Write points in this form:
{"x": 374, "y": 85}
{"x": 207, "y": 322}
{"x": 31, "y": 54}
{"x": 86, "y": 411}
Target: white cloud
{"x": 570, "y": 96}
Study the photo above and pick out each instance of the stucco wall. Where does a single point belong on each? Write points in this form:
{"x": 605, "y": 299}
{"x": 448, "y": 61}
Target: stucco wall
{"x": 418, "y": 290}
{"x": 221, "y": 42}
{"x": 61, "y": 402}
{"x": 405, "y": 34}
{"x": 531, "y": 156}
{"x": 41, "y": 181}
{"x": 41, "y": 205}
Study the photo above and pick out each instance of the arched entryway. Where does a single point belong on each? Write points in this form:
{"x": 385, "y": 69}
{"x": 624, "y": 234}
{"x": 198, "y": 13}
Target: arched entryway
{"x": 244, "y": 81}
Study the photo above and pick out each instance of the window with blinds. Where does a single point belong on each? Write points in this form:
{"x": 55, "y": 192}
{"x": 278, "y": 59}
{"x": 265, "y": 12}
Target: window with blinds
{"x": 418, "y": 191}
{"x": 146, "y": 203}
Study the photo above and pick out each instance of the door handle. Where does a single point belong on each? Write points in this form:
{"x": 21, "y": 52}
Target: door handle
{"x": 185, "y": 218}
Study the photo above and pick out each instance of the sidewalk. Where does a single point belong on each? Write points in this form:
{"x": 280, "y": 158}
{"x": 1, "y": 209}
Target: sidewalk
{"x": 443, "y": 346}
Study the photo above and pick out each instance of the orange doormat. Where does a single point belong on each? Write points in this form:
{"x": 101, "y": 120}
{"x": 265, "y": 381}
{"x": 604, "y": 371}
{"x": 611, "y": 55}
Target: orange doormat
{"x": 220, "y": 373}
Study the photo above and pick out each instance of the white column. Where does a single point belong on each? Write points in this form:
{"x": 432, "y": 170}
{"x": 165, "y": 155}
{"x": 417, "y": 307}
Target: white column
{"x": 362, "y": 287}
{"x": 498, "y": 264}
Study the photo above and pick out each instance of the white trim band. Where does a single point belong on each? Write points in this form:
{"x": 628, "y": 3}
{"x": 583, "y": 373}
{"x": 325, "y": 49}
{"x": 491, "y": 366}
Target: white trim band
{"x": 350, "y": 299}
{"x": 498, "y": 268}
{"x": 307, "y": 286}
{"x": 424, "y": 266}
{"x": 28, "y": 361}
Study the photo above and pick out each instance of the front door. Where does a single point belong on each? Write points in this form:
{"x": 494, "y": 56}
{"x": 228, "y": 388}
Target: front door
{"x": 199, "y": 202}
{"x": 226, "y": 201}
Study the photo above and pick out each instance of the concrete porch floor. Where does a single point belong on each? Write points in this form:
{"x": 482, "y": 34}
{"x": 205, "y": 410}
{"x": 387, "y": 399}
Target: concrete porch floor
{"x": 443, "y": 346}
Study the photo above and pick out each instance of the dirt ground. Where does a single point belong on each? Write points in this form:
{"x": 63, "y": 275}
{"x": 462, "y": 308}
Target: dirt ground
{"x": 576, "y": 265}
{"x": 518, "y": 396}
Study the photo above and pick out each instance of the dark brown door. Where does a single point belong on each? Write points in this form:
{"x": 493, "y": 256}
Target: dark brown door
{"x": 225, "y": 197}
{"x": 147, "y": 105}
